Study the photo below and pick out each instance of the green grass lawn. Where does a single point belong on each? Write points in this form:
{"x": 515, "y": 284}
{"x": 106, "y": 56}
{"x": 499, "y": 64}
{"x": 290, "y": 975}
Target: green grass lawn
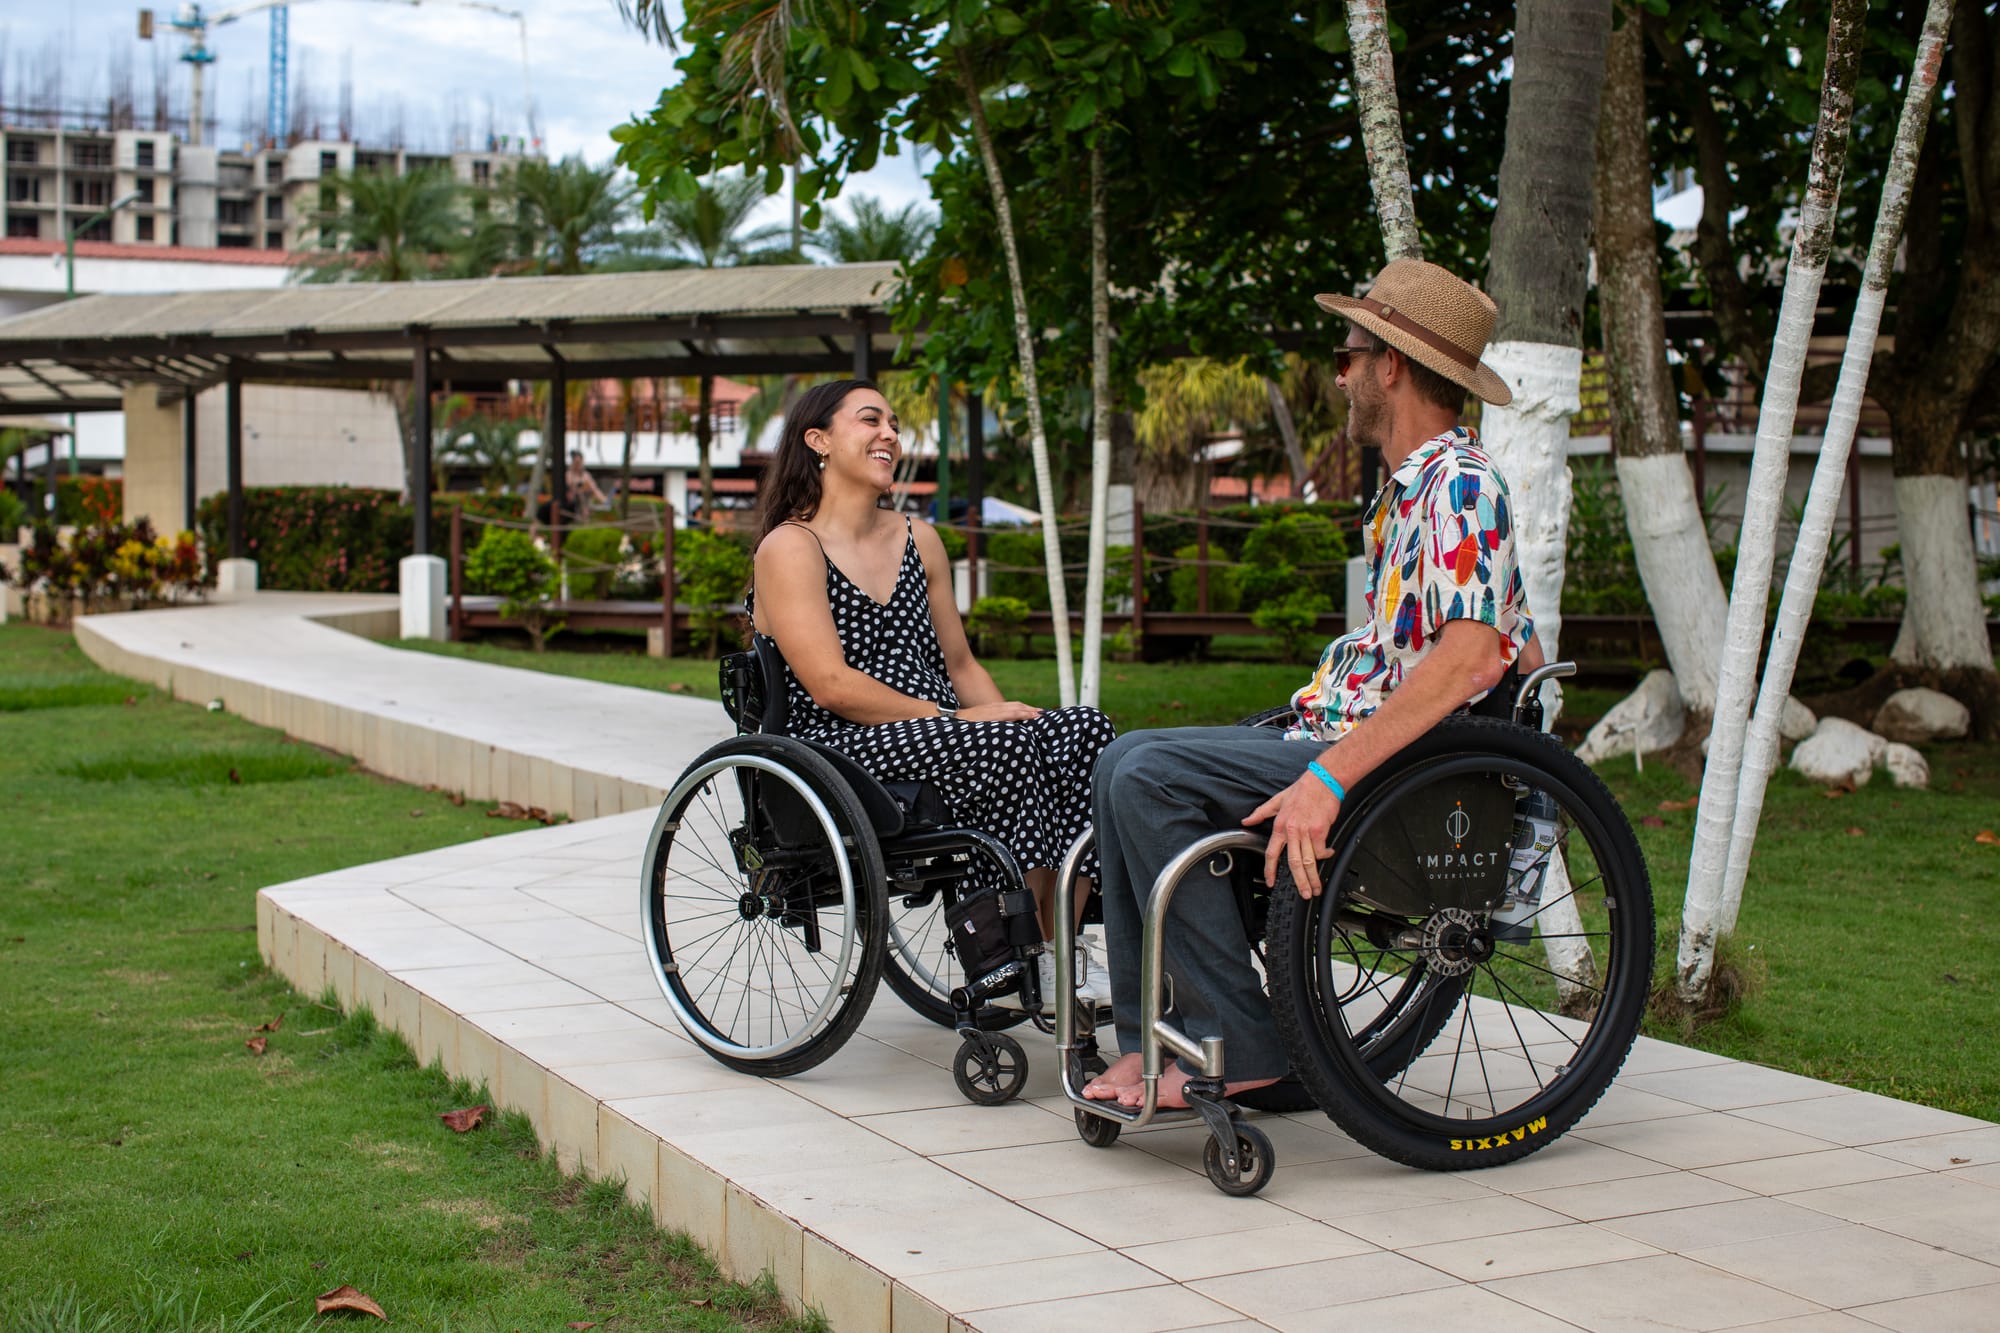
{"x": 1876, "y": 953}
{"x": 151, "y": 1167}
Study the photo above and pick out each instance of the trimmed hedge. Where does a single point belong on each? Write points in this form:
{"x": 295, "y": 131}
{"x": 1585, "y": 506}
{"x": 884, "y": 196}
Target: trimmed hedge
{"x": 337, "y": 538}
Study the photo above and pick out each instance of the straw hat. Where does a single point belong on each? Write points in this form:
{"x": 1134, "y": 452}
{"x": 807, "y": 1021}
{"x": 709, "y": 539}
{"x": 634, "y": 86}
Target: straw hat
{"x": 1432, "y": 316}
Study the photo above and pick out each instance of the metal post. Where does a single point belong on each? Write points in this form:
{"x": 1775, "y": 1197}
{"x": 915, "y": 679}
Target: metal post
{"x": 667, "y": 584}
{"x": 190, "y": 493}
{"x": 420, "y": 454}
{"x": 457, "y": 621}
{"x": 1138, "y": 569}
{"x": 558, "y": 445}
{"x": 975, "y": 483}
{"x": 1201, "y": 550}
{"x": 864, "y": 350}
{"x": 1700, "y": 455}
{"x": 232, "y": 436}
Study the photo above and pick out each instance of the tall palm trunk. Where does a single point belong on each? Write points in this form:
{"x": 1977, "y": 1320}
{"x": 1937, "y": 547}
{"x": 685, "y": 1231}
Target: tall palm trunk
{"x": 628, "y": 399}
{"x": 1100, "y": 430}
{"x": 1815, "y": 530}
{"x": 1382, "y": 128}
{"x": 1669, "y": 539}
{"x": 1538, "y": 276}
{"x": 1701, "y": 912}
{"x": 1024, "y": 340}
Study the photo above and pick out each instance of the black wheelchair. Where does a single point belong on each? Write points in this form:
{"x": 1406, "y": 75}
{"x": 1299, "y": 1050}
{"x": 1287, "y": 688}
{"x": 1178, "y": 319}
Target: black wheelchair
{"x": 783, "y": 883}
{"x": 1463, "y": 990}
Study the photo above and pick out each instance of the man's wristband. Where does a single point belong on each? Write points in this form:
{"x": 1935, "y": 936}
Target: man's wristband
{"x": 1332, "y": 783}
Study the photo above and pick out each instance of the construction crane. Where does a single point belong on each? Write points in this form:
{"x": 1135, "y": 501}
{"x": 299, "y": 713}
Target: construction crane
{"x": 193, "y": 23}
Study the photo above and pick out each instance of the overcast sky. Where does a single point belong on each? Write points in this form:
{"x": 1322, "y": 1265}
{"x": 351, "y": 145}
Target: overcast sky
{"x": 434, "y": 67}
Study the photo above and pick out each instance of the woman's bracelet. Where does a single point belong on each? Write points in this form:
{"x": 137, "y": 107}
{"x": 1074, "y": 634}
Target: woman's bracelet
{"x": 1332, "y": 783}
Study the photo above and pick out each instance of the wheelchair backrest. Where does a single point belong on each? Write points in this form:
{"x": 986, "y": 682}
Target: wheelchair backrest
{"x": 754, "y": 692}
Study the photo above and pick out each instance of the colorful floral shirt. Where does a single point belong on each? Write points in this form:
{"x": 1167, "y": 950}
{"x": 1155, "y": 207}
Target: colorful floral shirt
{"x": 1440, "y": 547}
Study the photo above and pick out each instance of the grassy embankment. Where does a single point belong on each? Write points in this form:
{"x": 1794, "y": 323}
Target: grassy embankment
{"x": 150, "y": 1165}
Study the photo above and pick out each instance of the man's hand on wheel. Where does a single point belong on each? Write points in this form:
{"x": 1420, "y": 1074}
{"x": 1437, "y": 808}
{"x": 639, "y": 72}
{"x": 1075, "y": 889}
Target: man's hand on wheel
{"x": 1301, "y": 818}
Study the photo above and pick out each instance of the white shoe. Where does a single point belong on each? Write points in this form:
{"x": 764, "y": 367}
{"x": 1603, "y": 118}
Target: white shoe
{"x": 1045, "y": 964}
{"x": 1095, "y": 987}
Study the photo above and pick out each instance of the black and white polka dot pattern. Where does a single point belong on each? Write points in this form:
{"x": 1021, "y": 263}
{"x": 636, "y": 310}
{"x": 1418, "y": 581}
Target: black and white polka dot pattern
{"x": 1026, "y": 783}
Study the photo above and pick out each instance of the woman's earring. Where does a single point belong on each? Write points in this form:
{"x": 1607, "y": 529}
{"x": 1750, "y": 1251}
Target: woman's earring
{"x": 822, "y": 462}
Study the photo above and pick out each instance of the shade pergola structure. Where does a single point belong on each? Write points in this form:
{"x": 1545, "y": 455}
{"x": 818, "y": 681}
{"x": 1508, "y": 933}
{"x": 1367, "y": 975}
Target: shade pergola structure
{"x": 82, "y": 356}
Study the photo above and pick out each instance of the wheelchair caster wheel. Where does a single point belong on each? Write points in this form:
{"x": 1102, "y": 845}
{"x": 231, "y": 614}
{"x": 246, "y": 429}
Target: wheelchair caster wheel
{"x": 990, "y": 1069}
{"x": 1096, "y": 1130}
{"x": 1251, "y": 1168}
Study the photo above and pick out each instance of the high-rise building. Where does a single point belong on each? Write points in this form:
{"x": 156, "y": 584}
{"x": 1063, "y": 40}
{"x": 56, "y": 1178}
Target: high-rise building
{"x": 198, "y": 197}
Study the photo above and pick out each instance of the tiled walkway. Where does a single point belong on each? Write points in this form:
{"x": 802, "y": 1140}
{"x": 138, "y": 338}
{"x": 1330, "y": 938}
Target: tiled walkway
{"x": 1701, "y": 1194}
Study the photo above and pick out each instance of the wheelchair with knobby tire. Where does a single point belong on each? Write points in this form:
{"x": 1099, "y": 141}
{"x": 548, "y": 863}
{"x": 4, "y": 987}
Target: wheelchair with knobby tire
{"x": 1465, "y": 987}
{"x": 783, "y": 883}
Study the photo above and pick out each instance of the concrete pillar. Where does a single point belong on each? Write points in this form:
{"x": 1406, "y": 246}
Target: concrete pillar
{"x": 421, "y": 581}
{"x": 235, "y": 577}
{"x": 420, "y": 453}
{"x": 154, "y": 460}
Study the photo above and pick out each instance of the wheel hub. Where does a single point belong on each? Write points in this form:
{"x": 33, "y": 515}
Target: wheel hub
{"x": 1455, "y": 941}
{"x": 750, "y": 906}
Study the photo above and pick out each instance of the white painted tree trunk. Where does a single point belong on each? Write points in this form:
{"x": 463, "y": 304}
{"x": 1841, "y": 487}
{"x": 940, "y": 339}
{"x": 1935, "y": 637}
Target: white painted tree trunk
{"x": 1700, "y": 912}
{"x": 1529, "y": 439}
{"x": 1382, "y": 128}
{"x": 1024, "y": 341}
{"x": 1670, "y": 546}
{"x": 1944, "y": 623}
{"x": 1100, "y": 433}
{"x": 1823, "y": 500}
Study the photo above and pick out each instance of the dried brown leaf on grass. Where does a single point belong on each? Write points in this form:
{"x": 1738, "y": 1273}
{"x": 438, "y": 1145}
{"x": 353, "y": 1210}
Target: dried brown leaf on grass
{"x": 582, "y": 1323}
{"x": 1986, "y": 837}
{"x": 1652, "y": 821}
{"x": 256, "y": 1045}
{"x": 509, "y": 810}
{"x": 1689, "y": 804}
{"x": 273, "y": 1025}
{"x": 466, "y": 1120}
{"x": 345, "y": 1299}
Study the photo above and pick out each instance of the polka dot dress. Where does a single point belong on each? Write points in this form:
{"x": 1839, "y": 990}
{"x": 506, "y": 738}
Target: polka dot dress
{"x": 1026, "y": 783}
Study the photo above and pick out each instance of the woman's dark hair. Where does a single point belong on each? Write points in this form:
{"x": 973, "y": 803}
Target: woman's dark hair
{"x": 791, "y": 488}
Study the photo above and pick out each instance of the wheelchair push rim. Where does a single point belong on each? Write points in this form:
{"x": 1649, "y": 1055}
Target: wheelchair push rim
{"x": 767, "y": 950}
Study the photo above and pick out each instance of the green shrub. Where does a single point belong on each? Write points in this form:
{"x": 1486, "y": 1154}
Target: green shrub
{"x": 954, "y": 541}
{"x": 1225, "y": 582}
{"x": 590, "y": 560}
{"x": 13, "y": 515}
{"x": 84, "y": 500}
{"x": 1300, "y": 551}
{"x": 1000, "y": 625}
{"x": 1293, "y": 619}
{"x": 1027, "y": 583}
{"x": 711, "y": 570}
{"x": 318, "y": 538}
{"x": 509, "y": 565}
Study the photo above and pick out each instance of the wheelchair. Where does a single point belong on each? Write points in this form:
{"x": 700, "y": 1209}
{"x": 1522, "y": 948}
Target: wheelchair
{"x": 1465, "y": 987}
{"x": 783, "y": 883}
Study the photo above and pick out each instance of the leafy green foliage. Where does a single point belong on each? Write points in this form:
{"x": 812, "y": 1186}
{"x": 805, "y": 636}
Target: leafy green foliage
{"x": 711, "y": 570}
{"x": 13, "y": 514}
{"x": 1601, "y": 574}
{"x": 1300, "y": 551}
{"x": 1225, "y": 582}
{"x": 1292, "y": 618}
{"x": 314, "y": 538}
{"x": 590, "y": 559}
{"x": 508, "y": 563}
{"x": 1000, "y": 625}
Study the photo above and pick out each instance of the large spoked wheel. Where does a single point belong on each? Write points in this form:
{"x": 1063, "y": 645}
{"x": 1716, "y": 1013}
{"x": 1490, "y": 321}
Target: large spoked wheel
{"x": 763, "y": 904}
{"x": 1444, "y": 1041}
{"x": 922, "y": 967}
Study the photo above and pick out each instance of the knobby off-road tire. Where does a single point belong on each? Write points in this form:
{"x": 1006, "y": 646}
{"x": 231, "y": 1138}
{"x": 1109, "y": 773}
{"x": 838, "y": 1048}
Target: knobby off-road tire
{"x": 1482, "y": 1056}
{"x": 763, "y": 905}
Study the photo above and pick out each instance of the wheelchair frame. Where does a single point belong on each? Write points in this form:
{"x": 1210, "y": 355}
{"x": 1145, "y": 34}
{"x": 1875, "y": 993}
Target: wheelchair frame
{"x": 1238, "y": 1156}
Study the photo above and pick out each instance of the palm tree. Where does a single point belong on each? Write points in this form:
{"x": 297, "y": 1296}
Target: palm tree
{"x": 872, "y": 233}
{"x": 388, "y": 228}
{"x": 708, "y": 229}
{"x": 566, "y": 212}
{"x": 490, "y": 444}
{"x": 1187, "y": 401}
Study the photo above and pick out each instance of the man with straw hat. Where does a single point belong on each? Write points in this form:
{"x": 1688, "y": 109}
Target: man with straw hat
{"x": 1447, "y": 618}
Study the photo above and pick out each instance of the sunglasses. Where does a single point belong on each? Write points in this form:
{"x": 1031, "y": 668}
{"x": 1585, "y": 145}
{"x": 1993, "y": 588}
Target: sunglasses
{"x": 1343, "y": 357}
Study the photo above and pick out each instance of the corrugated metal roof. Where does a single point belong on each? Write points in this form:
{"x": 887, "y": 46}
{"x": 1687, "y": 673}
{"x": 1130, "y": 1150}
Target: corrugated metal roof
{"x": 82, "y": 353}
{"x": 366, "y": 307}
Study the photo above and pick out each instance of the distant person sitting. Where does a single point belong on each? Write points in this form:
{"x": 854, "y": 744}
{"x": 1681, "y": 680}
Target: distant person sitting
{"x": 582, "y": 488}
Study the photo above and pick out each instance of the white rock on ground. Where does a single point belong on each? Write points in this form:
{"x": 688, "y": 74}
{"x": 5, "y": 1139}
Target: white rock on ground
{"x": 1650, "y": 718}
{"x": 1838, "y": 753}
{"x": 1919, "y": 715}
{"x": 1906, "y": 767}
{"x": 1797, "y": 721}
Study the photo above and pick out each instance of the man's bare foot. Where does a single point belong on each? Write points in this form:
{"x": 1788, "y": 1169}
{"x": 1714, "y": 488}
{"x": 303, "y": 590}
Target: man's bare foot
{"x": 1111, "y": 1084}
{"x": 1171, "y": 1083}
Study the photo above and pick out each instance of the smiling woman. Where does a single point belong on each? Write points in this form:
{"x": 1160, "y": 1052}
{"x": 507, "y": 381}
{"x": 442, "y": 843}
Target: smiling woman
{"x": 859, "y": 601}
